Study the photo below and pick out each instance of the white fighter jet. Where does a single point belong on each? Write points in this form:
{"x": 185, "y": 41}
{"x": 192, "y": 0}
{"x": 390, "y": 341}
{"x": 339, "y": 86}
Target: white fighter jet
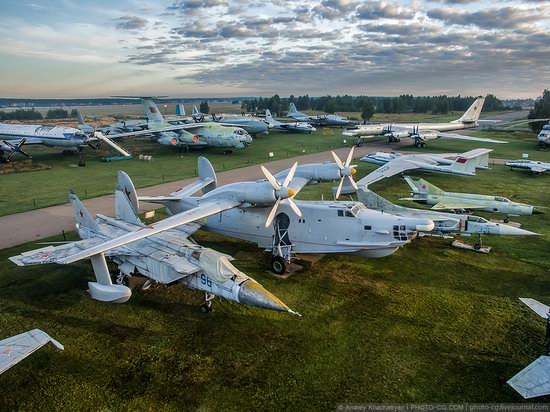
{"x": 16, "y": 348}
{"x": 421, "y": 132}
{"x": 462, "y": 164}
{"x": 533, "y": 165}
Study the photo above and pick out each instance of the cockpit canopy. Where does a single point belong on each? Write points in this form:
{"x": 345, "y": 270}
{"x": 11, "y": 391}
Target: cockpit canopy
{"x": 476, "y": 219}
{"x": 501, "y": 199}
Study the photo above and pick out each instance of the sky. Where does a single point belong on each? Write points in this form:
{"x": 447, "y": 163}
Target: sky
{"x": 206, "y": 48}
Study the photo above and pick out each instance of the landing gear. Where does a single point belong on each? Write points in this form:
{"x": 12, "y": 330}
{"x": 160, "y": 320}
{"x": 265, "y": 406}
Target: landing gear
{"x": 419, "y": 143}
{"x": 206, "y": 307}
{"x": 226, "y": 152}
{"x": 479, "y": 243}
{"x": 278, "y": 265}
{"x": 121, "y": 279}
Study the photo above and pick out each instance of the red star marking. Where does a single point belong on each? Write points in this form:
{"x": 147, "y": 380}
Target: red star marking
{"x": 6, "y": 351}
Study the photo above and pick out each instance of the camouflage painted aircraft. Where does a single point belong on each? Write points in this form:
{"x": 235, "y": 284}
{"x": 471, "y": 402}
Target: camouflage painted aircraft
{"x": 319, "y": 120}
{"x": 163, "y": 252}
{"x": 424, "y": 192}
{"x": 295, "y": 127}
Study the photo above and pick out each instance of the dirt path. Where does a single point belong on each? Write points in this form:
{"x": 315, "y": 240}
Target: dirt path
{"x": 37, "y": 224}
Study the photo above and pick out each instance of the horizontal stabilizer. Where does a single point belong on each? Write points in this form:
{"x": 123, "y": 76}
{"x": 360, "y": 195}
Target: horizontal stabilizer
{"x": 470, "y": 138}
{"x": 158, "y": 199}
{"x": 537, "y": 307}
{"x": 534, "y": 380}
{"x": 106, "y": 140}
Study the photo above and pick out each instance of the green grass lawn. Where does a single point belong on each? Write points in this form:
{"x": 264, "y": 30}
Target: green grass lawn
{"x": 427, "y": 324}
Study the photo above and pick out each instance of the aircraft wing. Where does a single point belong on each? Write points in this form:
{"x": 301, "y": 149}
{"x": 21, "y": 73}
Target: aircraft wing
{"x": 533, "y": 380}
{"x": 538, "y": 169}
{"x": 449, "y": 205}
{"x": 28, "y": 140}
{"x": 199, "y": 212}
{"x": 175, "y": 128}
{"x": 391, "y": 168}
{"x": 457, "y": 136}
{"x": 18, "y": 347}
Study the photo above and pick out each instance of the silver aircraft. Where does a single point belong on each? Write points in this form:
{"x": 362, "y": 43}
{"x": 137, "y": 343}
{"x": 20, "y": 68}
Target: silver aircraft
{"x": 445, "y": 223}
{"x": 424, "y": 192}
{"x": 421, "y": 132}
{"x": 162, "y": 252}
{"x": 16, "y": 348}
{"x": 544, "y": 136}
{"x": 295, "y": 127}
{"x": 252, "y": 125}
{"x": 319, "y": 120}
{"x": 534, "y": 379}
{"x": 462, "y": 164}
{"x": 264, "y": 212}
{"x": 533, "y": 165}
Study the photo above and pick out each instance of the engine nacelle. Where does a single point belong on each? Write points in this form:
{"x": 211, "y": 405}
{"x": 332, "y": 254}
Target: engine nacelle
{"x": 324, "y": 172}
{"x": 109, "y": 293}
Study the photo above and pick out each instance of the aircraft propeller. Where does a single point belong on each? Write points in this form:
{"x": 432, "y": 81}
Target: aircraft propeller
{"x": 16, "y": 148}
{"x": 282, "y": 192}
{"x": 347, "y": 170}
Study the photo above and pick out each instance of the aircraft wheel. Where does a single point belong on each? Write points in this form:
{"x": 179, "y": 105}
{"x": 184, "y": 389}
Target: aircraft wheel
{"x": 206, "y": 307}
{"x": 477, "y": 246}
{"x": 506, "y": 220}
{"x": 226, "y": 152}
{"x": 278, "y": 265}
{"x": 121, "y": 279}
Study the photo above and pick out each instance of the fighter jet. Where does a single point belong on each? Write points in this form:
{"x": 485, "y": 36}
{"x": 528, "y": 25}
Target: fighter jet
{"x": 162, "y": 252}
{"x": 16, "y": 348}
{"x": 463, "y": 164}
{"x": 188, "y": 136}
{"x": 14, "y": 136}
{"x": 534, "y": 380}
{"x": 294, "y": 127}
{"x": 252, "y": 125}
{"x": 424, "y": 192}
{"x": 444, "y": 223}
{"x": 421, "y": 132}
{"x": 319, "y": 120}
{"x": 534, "y": 165}
{"x": 544, "y": 136}
{"x": 265, "y": 213}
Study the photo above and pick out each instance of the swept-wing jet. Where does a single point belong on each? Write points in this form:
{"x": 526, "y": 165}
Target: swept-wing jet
{"x": 14, "y": 136}
{"x": 264, "y": 213}
{"x": 294, "y": 127}
{"x": 421, "y": 132}
{"x": 319, "y": 120}
{"x": 191, "y": 135}
{"x": 445, "y": 223}
{"x": 252, "y": 125}
{"x": 534, "y": 380}
{"x": 16, "y": 348}
{"x": 464, "y": 164}
{"x": 534, "y": 165}
{"x": 424, "y": 192}
{"x": 162, "y": 252}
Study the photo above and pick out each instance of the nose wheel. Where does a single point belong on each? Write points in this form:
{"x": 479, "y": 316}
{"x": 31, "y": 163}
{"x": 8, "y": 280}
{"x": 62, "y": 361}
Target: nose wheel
{"x": 278, "y": 265}
{"x": 206, "y": 307}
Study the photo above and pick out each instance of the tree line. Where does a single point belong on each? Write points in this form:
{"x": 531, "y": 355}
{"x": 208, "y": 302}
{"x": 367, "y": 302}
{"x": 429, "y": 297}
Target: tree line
{"x": 32, "y": 114}
{"x": 368, "y": 105}
{"x": 541, "y": 110}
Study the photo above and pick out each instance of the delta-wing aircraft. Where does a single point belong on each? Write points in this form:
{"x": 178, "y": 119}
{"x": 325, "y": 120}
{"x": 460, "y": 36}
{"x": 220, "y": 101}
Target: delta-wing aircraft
{"x": 162, "y": 252}
{"x": 464, "y": 164}
{"x": 421, "y": 132}
{"x": 188, "y": 135}
{"x": 319, "y": 120}
{"x": 294, "y": 127}
{"x": 264, "y": 212}
{"x": 425, "y": 192}
{"x": 533, "y": 165}
{"x": 16, "y": 348}
{"x": 445, "y": 223}
{"x": 534, "y": 379}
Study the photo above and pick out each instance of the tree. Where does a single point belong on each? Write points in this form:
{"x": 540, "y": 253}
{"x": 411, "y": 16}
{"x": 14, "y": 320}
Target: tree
{"x": 540, "y": 111}
{"x": 57, "y": 114}
{"x": 74, "y": 113}
{"x": 367, "y": 110}
{"x": 203, "y": 108}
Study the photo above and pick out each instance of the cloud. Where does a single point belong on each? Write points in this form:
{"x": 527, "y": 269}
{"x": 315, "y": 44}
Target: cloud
{"x": 374, "y": 10}
{"x": 131, "y": 23}
{"x": 493, "y": 18}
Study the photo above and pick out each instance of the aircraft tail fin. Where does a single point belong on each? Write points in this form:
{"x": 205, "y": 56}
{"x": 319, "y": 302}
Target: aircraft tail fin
{"x": 180, "y": 109}
{"x": 292, "y": 108}
{"x": 373, "y": 200}
{"x": 472, "y": 114}
{"x": 269, "y": 118}
{"x": 126, "y": 186}
{"x": 152, "y": 111}
{"x": 124, "y": 209}
{"x": 463, "y": 164}
{"x": 207, "y": 172}
{"x": 80, "y": 118}
{"x": 422, "y": 186}
{"x": 195, "y": 110}
{"x": 81, "y": 214}
{"x": 481, "y": 157}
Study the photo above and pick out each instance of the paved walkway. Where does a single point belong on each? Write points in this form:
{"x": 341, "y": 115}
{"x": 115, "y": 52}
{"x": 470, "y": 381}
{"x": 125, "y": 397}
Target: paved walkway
{"x": 40, "y": 223}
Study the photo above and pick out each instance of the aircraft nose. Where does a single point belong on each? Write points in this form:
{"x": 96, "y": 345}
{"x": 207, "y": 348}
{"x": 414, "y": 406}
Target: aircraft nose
{"x": 508, "y": 230}
{"x": 537, "y": 211}
{"x": 253, "y": 294}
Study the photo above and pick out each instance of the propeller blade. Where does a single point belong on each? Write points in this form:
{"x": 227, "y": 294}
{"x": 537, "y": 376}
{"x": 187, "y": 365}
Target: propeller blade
{"x": 339, "y": 188}
{"x": 270, "y": 178}
{"x": 337, "y": 160}
{"x": 272, "y": 213}
{"x": 290, "y": 175}
{"x": 353, "y": 183}
{"x": 350, "y": 157}
{"x": 294, "y": 207}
